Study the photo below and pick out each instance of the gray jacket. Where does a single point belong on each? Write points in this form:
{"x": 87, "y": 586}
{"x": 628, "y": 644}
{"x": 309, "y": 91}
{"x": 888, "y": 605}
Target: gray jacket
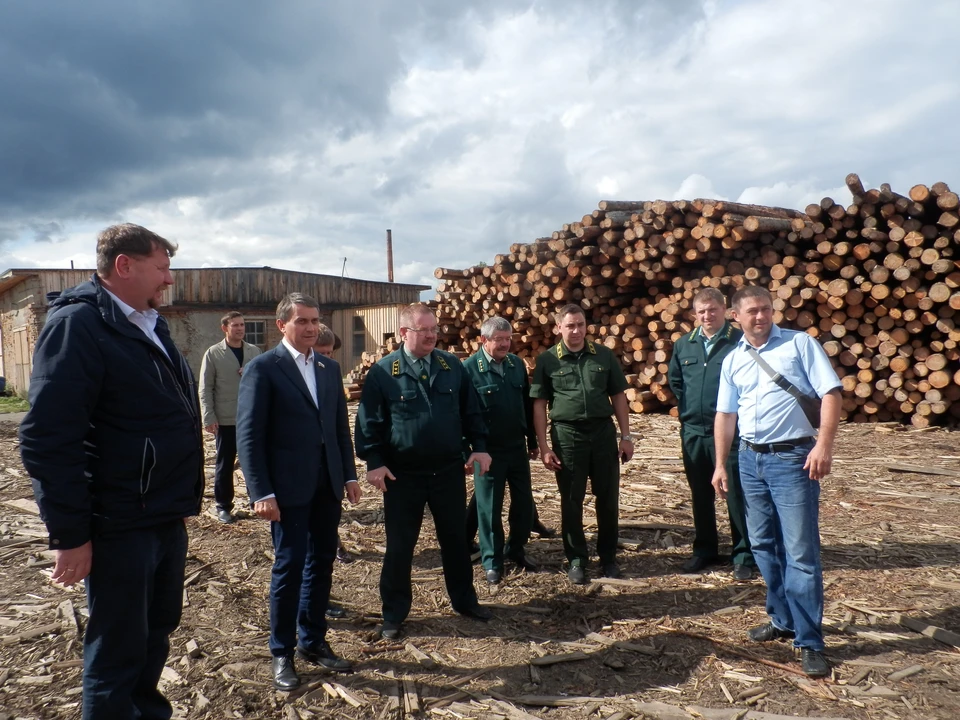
{"x": 220, "y": 382}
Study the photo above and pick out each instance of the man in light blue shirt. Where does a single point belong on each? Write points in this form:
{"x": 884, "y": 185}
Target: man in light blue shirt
{"x": 782, "y": 460}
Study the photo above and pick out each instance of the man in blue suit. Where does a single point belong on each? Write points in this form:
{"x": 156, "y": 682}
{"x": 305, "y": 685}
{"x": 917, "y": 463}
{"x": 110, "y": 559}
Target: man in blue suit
{"x": 293, "y": 439}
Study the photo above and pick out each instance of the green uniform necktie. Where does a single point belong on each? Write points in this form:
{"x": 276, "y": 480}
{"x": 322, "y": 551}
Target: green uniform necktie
{"x": 424, "y": 374}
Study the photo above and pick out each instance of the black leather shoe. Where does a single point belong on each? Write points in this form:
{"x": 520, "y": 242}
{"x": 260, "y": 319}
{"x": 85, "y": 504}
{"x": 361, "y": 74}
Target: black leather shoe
{"x": 742, "y": 572}
{"x": 577, "y": 575}
{"x": 335, "y": 612}
{"x": 284, "y": 673}
{"x": 814, "y": 663}
{"x": 324, "y": 656}
{"x": 698, "y": 563}
{"x": 524, "y": 563}
{"x": 343, "y": 556}
{"x": 611, "y": 570}
{"x": 390, "y": 630}
{"x": 768, "y": 632}
{"x": 493, "y": 576}
{"x": 225, "y": 516}
{"x": 542, "y": 530}
{"x": 477, "y": 612}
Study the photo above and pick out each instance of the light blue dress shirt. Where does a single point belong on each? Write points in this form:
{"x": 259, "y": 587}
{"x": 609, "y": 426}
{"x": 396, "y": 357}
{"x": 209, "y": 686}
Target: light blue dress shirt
{"x": 765, "y": 412}
{"x": 709, "y": 342}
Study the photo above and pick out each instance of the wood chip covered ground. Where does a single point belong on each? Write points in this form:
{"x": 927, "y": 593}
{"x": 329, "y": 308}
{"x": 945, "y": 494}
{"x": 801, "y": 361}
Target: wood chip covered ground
{"x": 655, "y": 644}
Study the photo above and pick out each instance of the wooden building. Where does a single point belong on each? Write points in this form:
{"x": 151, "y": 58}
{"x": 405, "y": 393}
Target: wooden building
{"x": 197, "y": 300}
{"x": 364, "y": 329}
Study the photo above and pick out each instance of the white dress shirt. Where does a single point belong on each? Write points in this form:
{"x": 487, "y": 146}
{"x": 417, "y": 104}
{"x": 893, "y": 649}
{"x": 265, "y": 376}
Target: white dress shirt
{"x": 305, "y": 366}
{"x": 146, "y": 320}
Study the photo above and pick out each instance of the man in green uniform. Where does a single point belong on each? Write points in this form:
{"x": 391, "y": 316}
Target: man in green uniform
{"x": 501, "y": 381}
{"x": 695, "y": 378}
{"x": 417, "y": 407}
{"x": 584, "y": 385}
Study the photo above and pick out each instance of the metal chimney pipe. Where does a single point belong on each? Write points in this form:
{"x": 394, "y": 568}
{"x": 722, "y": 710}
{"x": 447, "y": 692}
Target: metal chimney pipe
{"x": 389, "y": 255}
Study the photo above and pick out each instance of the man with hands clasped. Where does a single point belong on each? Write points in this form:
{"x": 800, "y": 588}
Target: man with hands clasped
{"x": 417, "y": 407}
{"x": 584, "y": 385}
{"x": 782, "y": 460}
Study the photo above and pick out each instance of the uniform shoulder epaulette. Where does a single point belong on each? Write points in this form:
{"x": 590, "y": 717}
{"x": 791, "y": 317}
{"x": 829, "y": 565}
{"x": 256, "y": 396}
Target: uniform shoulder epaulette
{"x": 443, "y": 360}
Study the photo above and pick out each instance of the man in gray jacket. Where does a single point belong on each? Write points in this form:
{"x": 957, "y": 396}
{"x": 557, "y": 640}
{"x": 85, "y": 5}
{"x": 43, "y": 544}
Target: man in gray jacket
{"x": 220, "y": 373}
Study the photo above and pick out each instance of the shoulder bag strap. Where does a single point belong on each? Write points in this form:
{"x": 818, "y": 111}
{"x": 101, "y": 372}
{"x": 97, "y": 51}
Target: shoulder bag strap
{"x": 779, "y": 379}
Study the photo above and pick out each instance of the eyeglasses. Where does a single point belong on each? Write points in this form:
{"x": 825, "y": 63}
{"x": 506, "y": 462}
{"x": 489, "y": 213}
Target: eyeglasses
{"x": 422, "y": 331}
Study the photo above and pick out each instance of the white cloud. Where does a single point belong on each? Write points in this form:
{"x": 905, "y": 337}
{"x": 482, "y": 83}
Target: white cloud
{"x": 500, "y": 125}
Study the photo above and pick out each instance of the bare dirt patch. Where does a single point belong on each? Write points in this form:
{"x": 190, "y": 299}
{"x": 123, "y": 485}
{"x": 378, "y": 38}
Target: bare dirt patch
{"x": 636, "y": 648}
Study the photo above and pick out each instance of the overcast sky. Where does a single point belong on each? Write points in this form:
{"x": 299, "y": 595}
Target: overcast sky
{"x": 293, "y": 133}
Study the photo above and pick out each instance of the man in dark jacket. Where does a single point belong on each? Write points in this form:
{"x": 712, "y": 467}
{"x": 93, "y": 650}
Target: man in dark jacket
{"x": 293, "y": 438}
{"x": 418, "y": 405}
{"x": 113, "y": 445}
{"x": 694, "y": 374}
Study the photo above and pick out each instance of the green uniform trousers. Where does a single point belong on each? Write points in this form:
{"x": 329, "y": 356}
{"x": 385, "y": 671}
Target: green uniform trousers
{"x": 699, "y": 460}
{"x": 509, "y": 468}
{"x": 585, "y": 450}
{"x": 446, "y": 495}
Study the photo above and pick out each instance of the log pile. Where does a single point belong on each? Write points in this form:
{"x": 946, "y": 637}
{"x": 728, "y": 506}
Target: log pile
{"x": 353, "y": 380}
{"x": 875, "y": 281}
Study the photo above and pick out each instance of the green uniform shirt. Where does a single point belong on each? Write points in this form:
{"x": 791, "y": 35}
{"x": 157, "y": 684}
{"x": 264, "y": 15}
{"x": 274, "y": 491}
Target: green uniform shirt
{"x": 578, "y": 386}
{"x": 694, "y": 374}
{"x": 504, "y": 390}
{"x": 408, "y": 427}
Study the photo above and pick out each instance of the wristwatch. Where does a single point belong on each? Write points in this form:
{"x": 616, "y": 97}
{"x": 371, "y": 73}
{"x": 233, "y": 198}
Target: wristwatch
{"x": 626, "y": 437}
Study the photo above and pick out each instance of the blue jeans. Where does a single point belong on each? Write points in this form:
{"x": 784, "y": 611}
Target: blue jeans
{"x": 783, "y": 509}
{"x": 135, "y": 595}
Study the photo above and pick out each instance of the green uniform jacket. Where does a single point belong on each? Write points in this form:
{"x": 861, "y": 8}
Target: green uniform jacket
{"x": 507, "y": 406}
{"x": 578, "y": 389}
{"x": 695, "y": 377}
{"x": 403, "y": 426}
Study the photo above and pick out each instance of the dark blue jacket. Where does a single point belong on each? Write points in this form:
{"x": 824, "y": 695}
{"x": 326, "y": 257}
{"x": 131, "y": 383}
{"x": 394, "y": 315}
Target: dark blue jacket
{"x": 283, "y": 438}
{"x": 112, "y": 440}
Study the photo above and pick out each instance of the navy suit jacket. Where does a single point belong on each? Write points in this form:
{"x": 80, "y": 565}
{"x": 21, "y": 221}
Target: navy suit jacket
{"x": 282, "y": 435}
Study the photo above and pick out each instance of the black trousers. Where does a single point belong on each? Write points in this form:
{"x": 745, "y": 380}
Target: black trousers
{"x": 226, "y": 457}
{"x": 135, "y": 596}
{"x": 699, "y": 458}
{"x": 445, "y": 493}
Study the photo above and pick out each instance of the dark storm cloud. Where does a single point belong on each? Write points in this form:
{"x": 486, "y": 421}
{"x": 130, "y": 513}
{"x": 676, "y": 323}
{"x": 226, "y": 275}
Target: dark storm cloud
{"x": 109, "y": 103}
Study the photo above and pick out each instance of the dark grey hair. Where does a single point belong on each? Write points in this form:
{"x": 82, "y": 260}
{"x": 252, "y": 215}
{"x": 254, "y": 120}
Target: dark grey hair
{"x": 494, "y": 324}
{"x": 285, "y": 306}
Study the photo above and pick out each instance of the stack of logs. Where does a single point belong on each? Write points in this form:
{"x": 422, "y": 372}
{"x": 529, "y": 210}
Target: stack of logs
{"x": 353, "y": 381}
{"x": 876, "y": 282}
